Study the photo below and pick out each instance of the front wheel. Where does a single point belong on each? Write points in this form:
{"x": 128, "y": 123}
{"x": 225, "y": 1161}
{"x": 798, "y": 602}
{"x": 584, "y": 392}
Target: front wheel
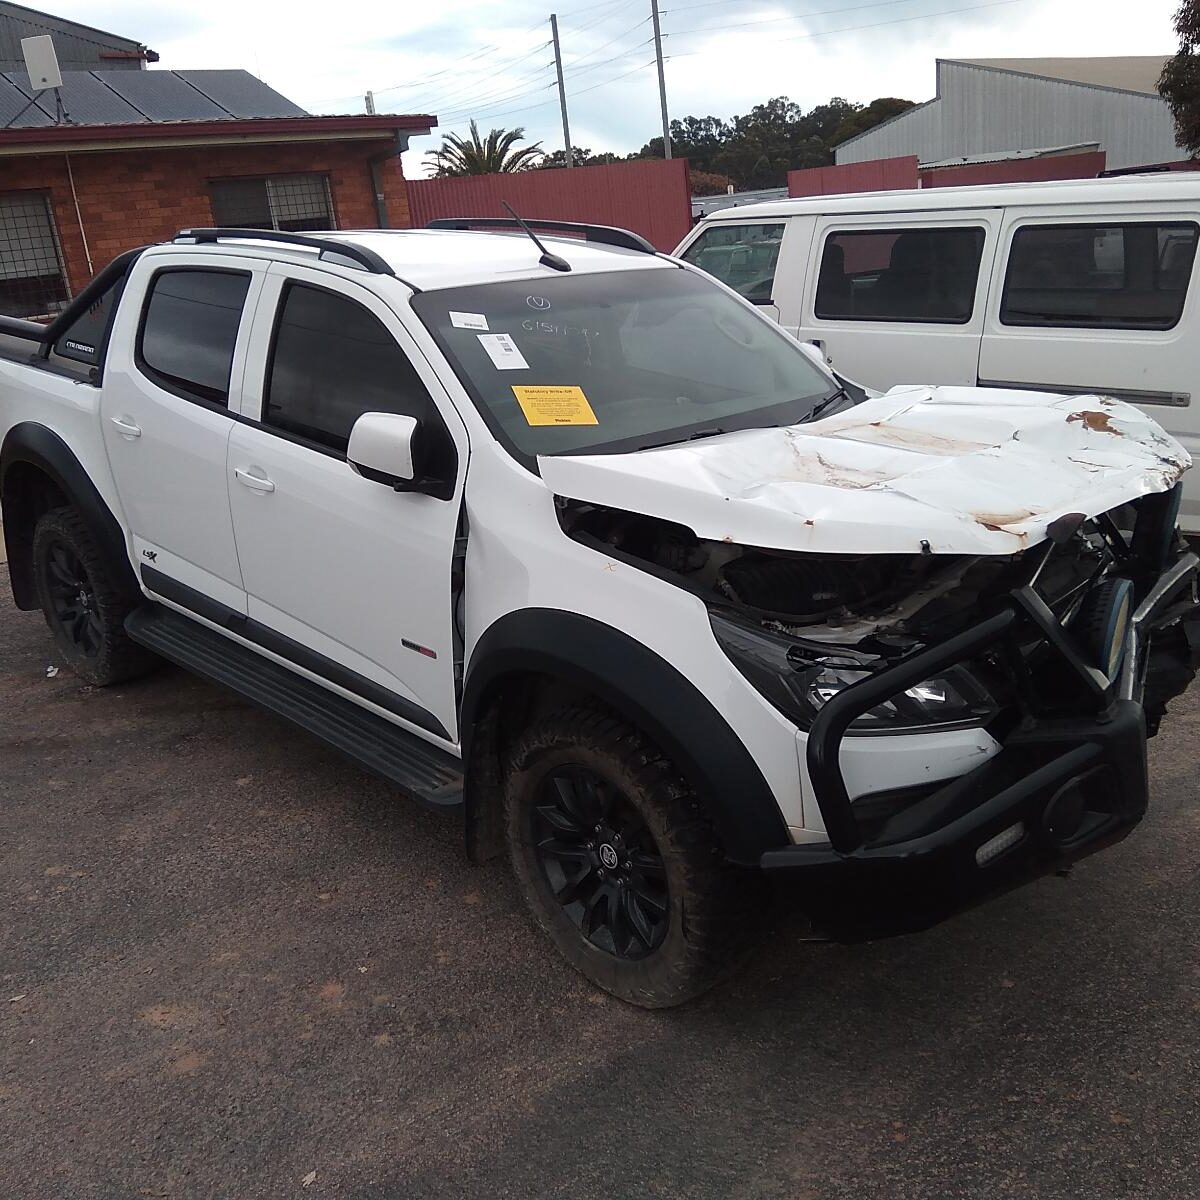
{"x": 619, "y": 863}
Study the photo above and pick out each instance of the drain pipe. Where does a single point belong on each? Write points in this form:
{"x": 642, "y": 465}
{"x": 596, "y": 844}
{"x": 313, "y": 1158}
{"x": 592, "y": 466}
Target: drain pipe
{"x": 381, "y": 211}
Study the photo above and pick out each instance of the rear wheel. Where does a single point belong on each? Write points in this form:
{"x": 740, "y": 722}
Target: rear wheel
{"x": 83, "y": 606}
{"x": 619, "y": 864}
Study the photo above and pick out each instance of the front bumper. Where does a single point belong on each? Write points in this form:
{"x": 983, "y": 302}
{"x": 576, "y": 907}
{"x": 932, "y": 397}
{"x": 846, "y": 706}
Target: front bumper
{"x": 1061, "y": 788}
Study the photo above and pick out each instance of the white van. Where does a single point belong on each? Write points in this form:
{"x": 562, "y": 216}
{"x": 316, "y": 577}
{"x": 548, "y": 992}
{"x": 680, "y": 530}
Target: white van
{"x": 1075, "y": 286}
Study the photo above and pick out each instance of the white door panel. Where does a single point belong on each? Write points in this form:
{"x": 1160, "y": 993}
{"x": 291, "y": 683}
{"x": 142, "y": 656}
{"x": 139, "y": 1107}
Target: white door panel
{"x": 882, "y": 353}
{"x": 347, "y": 567}
{"x": 168, "y": 452}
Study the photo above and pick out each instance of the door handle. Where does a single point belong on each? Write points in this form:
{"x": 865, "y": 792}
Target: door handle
{"x": 127, "y": 427}
{"x": 253, "y": 480}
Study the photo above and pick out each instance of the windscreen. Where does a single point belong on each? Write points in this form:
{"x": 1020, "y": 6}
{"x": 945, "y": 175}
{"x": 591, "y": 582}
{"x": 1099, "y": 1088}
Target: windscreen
{"x": 622, "y": 360}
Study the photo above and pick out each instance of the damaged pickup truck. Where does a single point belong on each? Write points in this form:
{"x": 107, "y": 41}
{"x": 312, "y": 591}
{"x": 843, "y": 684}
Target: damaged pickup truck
{"x": 567, "y": 538}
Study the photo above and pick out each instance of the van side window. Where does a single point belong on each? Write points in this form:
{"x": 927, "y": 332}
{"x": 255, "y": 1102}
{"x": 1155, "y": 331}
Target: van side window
{"x": 742, "y": 257}
{"x": 1129, "y": 276}
{"x": 923, "y": 274}
{"x": 189, "y": 329}
{"x": 332, "y": 361}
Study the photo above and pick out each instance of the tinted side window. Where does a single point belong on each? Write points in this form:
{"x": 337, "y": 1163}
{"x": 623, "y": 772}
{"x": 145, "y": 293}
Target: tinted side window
{"x": 741, "y": 256}
{"x": 1132, "y": 276}
{"x": 189, "y": 328}
{"x": 333, "y": 361}
{"x": 899, "y": 275}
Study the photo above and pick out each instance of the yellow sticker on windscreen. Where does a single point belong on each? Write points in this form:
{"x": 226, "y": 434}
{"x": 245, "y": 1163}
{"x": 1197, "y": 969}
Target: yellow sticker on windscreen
{"x": 544, "y": 405}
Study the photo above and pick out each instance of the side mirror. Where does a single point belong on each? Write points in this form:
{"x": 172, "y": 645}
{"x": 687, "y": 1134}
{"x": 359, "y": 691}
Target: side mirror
{"x": 388, "y": 448}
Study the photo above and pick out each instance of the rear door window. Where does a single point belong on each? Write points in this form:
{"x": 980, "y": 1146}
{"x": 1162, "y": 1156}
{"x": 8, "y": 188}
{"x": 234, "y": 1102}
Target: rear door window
{"x": 1127, "y": 276}
{"x": 741, "y": 256}
{"x": 915, "y": 275}
{"x": 189, "y": 330}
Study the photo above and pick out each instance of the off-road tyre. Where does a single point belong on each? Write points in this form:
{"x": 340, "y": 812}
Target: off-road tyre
{"x": 711, "y": 910}
{"x": 83, "y": 606}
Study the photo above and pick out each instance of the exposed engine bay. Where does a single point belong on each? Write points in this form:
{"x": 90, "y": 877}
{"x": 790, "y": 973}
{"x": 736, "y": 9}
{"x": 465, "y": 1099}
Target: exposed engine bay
{"x": 838, "y": 600}
{"x": 847, "y": 615}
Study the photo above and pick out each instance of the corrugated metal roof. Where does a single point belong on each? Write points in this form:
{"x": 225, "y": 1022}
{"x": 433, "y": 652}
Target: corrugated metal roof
{"x": 1129, "y": 73}
{"x": 241, "y": 94}
{"x": 77, "y": 45}
{"x": 150, "y": 97}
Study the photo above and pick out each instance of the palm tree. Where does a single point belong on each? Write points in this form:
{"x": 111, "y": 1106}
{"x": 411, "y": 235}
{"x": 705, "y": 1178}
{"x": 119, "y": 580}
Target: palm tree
{"x": 473, "y": 156}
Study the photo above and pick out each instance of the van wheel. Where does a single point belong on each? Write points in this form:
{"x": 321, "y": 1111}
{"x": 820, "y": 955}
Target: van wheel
{"x": 83, "y": 607}
{"x": 619, "y": 863}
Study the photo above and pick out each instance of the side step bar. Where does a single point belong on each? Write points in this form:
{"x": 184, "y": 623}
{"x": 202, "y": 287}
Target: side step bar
{"x": 430, "y": 775}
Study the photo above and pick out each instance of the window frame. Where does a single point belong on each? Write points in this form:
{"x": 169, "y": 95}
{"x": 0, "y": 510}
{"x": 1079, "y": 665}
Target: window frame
{"x": 286, "y": 283}
{"x": 705, "y": 229}
{"x": 1120, "y": 221}
{"x": 166, "y": 383}
{"x": 44, "y": 196}
{"x": 982, "y": 269}
{"x": 265, "y": 180}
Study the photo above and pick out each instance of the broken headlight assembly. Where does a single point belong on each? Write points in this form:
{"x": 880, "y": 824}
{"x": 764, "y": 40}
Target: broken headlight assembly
{"x": 798, "y": 683}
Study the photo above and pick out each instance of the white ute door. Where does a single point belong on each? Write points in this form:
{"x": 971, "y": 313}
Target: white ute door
{"x": 174, "y": 361}
{"x": 900, "y": 297}
{"x": 351, "y": 578}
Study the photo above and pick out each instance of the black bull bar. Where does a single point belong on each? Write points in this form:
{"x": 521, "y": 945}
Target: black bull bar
{"x": 1061, "y": 787}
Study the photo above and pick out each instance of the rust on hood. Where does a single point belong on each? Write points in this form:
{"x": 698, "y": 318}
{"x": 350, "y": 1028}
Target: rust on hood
{"x": 1097, "y": 422}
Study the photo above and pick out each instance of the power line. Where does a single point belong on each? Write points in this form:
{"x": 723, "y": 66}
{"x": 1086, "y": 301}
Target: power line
{"x": 875, "y": 24}
{"x": 822, "y": 12}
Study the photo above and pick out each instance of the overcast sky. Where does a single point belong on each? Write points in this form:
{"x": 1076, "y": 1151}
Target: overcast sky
{"x": 463, "y": 58}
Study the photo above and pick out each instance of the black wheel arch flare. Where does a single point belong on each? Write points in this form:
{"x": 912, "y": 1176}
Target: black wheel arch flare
{"x": 655, "y": 696}
{"x": 40, "y": 447}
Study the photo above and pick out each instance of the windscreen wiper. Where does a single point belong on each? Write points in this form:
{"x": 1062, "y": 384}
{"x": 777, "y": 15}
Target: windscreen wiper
{"x": 825, "y": 405}
{"x": 713, "y": 431}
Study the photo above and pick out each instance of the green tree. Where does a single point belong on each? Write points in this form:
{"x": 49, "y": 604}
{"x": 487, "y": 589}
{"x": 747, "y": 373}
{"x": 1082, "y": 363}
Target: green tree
{"x": 1179, "y": 84}
{"x": 862, "y": 119}
{"x": 581, "y": 157}
{"x": 493, "y": 155}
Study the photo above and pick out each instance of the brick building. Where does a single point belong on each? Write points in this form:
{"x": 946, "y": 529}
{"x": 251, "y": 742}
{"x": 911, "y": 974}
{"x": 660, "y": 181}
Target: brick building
{"x": 146, "y": 153}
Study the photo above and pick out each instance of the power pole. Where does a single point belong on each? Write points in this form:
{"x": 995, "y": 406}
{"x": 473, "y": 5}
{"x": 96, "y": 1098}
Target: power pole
{"x": 562, "y": 91}
{"x": 369, "y": 100}
{"x": 662, "y": 80}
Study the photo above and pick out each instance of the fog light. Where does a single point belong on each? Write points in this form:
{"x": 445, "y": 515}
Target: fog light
{"x": 996, "y": 846}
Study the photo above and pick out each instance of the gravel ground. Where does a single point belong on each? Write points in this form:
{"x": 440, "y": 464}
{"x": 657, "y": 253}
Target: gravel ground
{"x": 232, "y": 965}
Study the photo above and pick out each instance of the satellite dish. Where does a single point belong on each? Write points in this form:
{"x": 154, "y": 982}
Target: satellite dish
{"x": 41, "y": 62}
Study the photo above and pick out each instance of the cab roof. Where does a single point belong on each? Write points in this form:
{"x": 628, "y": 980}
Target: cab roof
{"x": 431, "y": 259}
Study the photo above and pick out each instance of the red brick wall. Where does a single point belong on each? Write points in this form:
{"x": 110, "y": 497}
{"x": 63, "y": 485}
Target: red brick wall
{"x": 131, "y": 197}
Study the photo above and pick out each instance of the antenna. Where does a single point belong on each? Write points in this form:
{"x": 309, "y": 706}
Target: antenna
{"x": 44, "y": 75}
{"x": 547, "y": 259}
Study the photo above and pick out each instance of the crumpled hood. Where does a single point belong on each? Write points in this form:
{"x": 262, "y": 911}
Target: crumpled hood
{"x": 966, "y": 470}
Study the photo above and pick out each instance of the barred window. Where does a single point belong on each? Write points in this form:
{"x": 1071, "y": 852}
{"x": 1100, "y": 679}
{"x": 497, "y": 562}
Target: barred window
{"x": 289, "y": 202}
{"x": 32, "y": 280}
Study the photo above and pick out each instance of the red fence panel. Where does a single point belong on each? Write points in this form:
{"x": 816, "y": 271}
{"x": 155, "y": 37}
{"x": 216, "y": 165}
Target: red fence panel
{"x": 1017, "y": 170}
{"x": 878, "y": 175}
{"x": 650, "y": 196}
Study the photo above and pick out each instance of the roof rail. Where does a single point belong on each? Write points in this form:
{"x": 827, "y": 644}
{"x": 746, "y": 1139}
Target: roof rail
{"x": 365, "y": 258}
{"x": 605, "y": 235}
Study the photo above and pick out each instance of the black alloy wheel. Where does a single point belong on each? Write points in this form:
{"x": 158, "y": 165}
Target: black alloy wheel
{"x": 601, "y": 862}
{"x": 73, "y": 603}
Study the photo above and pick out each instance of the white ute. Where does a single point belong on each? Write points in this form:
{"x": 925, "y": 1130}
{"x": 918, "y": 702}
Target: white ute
{"x": 568, "y": 538}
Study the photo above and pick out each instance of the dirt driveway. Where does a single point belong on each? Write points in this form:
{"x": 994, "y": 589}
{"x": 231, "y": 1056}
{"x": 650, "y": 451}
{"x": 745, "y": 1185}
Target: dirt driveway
{"x": 231, "y": 965}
